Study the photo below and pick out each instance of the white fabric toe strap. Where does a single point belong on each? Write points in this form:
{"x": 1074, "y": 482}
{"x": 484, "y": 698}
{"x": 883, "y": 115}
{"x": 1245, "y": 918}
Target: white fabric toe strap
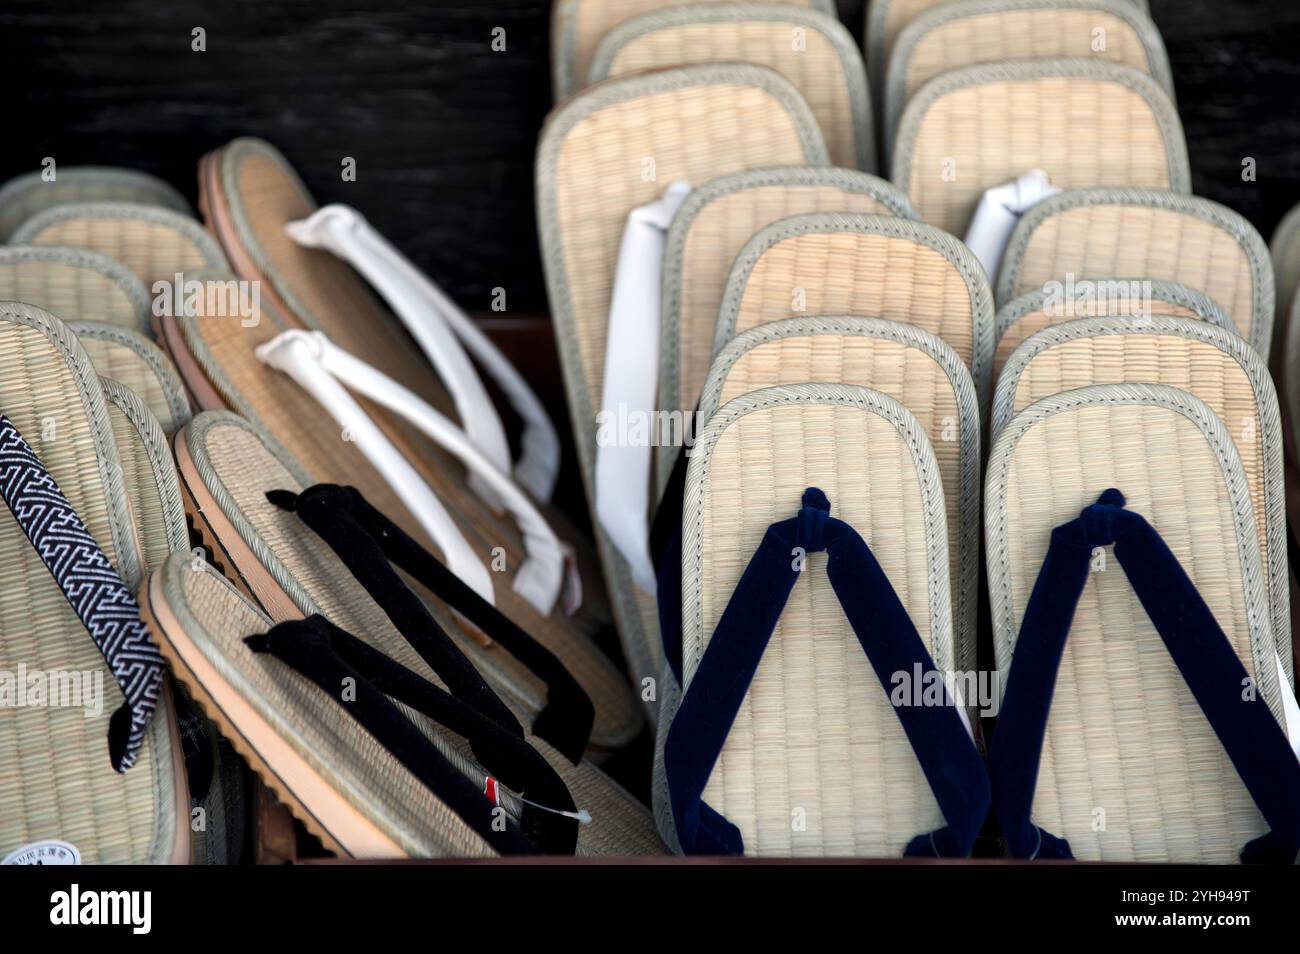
{"x": 297, "y": 354}
{"x": 999, "y": 211}
{"x": 441, "y": 327}
{"x": 322, "y": 368}
{"x": 622, "y": 472}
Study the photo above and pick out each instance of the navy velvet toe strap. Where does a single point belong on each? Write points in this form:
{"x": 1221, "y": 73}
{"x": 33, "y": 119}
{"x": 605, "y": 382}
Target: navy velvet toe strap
{"x": 1215, "y": 675}
{"x": 948, "y": 756}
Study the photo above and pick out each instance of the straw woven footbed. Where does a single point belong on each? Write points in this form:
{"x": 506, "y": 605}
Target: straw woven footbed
{"x": 829, "y": 77}
{"x": 154, "y": 495}
{"x": 898, "y": 14}
{"x": 335, "y": 744}
{"x": 77, "y": 284}
{"x": 715, "y": 237}
{"x": 1289, "y": 359}
{"x": 153, "y": 243}
{"x": 695, "y": 123}
{"x": 149, "y": 477}
{"x": 886, "y": 19}
{"x": 969, "y": 131}
{"x": 1111, "y": 240}
{"x": 25, "y": 196}
{"x": 139, "y": 364}
{"x": 1049, "y": 314}
{"x": 579, "y": 26}
{"x": 58, "y": 782}
{"x": 693, "y": 134}
{"x": 1284, "y": 249}
{"x": 851, "y": 272}
{"x": 310, "y": 437}
{"x": 1125, "y": 735}
{"x": 917, "y": 373}
{"x": 1204, "y": 361}
{"x": 247, "y": 471}
{"x": 263, "y": 193}
{"x": 816, "y": 740}
{"x": 990, "y": 36}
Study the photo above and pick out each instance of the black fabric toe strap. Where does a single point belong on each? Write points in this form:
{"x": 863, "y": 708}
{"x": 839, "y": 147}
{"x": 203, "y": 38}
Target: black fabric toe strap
{"x": 370, "y": 545}
{"x": 365, "y": 681}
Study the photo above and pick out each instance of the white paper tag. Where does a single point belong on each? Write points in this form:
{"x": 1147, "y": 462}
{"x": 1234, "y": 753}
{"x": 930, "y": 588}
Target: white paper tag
{"x": 44, "y": 853}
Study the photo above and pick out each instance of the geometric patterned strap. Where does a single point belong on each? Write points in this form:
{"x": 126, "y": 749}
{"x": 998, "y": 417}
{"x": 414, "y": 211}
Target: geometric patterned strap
{"x": 83, "y": 572}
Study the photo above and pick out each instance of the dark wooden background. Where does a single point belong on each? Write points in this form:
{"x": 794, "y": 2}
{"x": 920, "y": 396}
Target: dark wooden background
{"x": 443, "y": 128}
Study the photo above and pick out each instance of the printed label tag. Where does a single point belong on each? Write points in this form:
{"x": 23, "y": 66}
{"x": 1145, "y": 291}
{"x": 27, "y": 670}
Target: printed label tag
{"x": 44, "y": 853}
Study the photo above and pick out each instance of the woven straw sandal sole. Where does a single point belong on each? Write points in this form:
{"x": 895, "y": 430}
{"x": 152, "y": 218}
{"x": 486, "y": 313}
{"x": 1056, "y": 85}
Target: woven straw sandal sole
{"x": 323, "y": 811}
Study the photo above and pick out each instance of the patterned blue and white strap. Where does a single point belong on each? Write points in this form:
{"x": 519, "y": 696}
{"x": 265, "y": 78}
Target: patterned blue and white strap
{"x": 83, "y": 572}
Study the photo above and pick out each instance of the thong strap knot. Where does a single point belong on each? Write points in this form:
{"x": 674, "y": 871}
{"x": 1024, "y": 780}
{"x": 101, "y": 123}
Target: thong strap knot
{"x": 812, "y": 520}
{"x": 1250, "y": 735}
{"x": 1103, "y": 521}
{"x": 714, "y": 695}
